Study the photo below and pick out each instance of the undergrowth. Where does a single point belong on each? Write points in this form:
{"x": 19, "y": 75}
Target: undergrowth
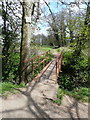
{"x": 82, "y": 94}
{"x": 59, "y": 97}
{"x": 74, "y": 79}
{"x": 9, "y": 87}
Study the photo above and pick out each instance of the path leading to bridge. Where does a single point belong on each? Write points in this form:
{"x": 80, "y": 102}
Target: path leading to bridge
{"x": 35, "y": 101}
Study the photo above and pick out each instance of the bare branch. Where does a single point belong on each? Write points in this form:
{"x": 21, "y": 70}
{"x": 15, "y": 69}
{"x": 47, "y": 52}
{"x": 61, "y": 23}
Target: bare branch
{"x": 50, "y": 10}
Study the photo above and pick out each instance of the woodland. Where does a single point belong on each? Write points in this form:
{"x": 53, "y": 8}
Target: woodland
{"x": 67, "y": 30}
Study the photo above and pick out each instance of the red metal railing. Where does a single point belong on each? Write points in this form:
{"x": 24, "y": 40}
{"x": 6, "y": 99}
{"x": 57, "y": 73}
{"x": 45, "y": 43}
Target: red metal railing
{"x": 36, "y": 62}
{"x": 44, "y": 61}
{"x": 58, "y": 64}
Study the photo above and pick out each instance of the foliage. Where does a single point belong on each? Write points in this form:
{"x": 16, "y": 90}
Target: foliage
{"x": 37, "y": 70}
{"x": 57, "y": 29}
{"x": 74, "y": 71}
{"x": 82, "y": 94}
{"x": 10, "y": 72}
{"x": 10, "y": 44}
{"x": 58, "y": 50}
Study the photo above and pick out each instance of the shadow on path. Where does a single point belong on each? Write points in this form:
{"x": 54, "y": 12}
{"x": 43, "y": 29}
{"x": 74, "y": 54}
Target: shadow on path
{"x": 38, "y": 112}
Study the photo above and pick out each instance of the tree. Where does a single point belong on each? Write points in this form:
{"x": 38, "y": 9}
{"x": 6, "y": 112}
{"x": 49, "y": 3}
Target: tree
{"x": 10, "y": 39}
{"x": 28, "y": 7}
{"x": 57, "y": 29}
{"x": 53, "y": 26}
{"x": 62, "y": 28}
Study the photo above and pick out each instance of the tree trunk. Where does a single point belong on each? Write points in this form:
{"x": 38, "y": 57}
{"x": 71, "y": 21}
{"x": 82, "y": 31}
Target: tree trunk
{"x": 25, "y": 41}
{"x": 5, "y": 41}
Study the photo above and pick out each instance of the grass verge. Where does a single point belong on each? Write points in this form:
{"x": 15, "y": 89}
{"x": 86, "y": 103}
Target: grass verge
{"x": 7, "y": 87}
{"x": 82, "y": 94}
{"x": 43, "y": 48}
{"x": 59, "y": 97}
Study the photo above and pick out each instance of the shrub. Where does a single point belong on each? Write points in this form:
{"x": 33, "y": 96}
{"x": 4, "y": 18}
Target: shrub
{"x": 74, "y": 71}
{"x": 58, "y": 50}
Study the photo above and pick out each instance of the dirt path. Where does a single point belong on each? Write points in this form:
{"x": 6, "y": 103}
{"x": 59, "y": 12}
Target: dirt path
{"x": 35, "y": 101}
{"x": 37, "y": 105}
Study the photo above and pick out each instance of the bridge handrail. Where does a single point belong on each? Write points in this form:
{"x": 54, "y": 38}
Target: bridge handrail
{"x": 38, "y": 62}
{"x": 59, "y": 64}
{"x": 36, "y": 56}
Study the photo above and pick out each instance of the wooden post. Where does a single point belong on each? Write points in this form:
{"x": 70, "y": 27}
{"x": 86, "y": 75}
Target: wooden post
{"x": 48, "y": 54}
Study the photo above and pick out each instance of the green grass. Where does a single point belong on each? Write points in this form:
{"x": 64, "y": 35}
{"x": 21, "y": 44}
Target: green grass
{"x": 82, "y": 94}
{"x": 59, "y": 97}
{"x": 43, "y": 48}
{"x": 46, "y": 48}
{"x": 7, "y": 87}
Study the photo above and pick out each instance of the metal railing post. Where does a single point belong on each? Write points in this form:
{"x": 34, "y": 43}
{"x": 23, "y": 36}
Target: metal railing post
{"x": 32, "y": 69}
{"x": 38, "y": 63}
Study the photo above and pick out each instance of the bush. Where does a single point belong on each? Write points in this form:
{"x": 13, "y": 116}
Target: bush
{"x": 74, "y": 71}
{"x": 10, "y": 70}
{"x": 36, "y": 70}
{"x": 58, "y": 50}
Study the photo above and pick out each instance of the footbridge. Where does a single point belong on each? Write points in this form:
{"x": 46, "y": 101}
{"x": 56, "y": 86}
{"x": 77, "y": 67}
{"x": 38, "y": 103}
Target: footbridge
{"x": 51, "y": 69}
